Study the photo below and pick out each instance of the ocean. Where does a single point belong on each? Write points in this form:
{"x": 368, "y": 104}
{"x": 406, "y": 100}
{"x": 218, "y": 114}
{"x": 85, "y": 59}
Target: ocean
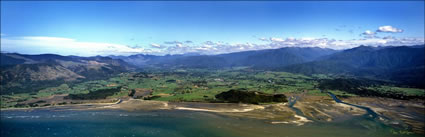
{"x": 171, "y": 123}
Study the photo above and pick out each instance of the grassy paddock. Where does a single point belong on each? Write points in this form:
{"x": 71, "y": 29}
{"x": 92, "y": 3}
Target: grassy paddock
{"x": 202, "y": 85}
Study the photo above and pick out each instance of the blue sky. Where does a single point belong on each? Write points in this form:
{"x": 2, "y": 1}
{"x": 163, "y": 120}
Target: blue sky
{"x": 122, "y": 28}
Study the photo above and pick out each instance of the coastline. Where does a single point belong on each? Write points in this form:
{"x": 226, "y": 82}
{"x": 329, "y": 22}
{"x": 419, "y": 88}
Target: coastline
{"x": 67, "y": 105}
{"x": 311, "y": 109}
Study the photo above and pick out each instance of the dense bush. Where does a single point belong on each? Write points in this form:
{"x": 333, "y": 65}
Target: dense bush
{"x": 93, "y": 95}
{"x": 132, "y": 93}
{"x": 360, "y": 87}
{"x": 251, "y": 97}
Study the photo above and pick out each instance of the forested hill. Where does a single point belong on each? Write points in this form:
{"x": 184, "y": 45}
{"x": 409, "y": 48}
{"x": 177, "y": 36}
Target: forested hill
{"x": 403, "y": 64}
{"x": 27, "y": 73}
{"x": 259, "y": 59}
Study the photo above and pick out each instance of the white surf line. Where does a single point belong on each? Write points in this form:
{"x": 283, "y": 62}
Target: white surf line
{"x": 301, "y": 121}
{"x": 209, "y": 110}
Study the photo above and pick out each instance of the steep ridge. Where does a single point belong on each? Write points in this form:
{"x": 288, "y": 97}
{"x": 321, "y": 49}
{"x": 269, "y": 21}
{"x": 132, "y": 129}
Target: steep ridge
{"x": 258, "y": 59}
{"x": 29, "y": 73}
{"x": 403, "y": 64}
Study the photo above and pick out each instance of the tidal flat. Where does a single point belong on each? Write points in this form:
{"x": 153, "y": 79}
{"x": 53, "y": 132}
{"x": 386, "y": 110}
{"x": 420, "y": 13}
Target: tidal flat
{"x": 310, "y": 116}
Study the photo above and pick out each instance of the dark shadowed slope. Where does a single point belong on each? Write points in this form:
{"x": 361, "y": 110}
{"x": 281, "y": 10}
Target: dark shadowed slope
{"x": 258, "y": 59}
{"x": 403, "y": 64}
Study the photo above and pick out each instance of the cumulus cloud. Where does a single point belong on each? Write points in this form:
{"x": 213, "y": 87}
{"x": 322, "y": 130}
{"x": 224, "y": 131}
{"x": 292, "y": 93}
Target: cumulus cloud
{"x": 385, "y": 29}
{"x": 65, "y": 46}
{"x": 389, "y": 29}
{"x": 212, "y": 47}
{"x": 345, "y": 44}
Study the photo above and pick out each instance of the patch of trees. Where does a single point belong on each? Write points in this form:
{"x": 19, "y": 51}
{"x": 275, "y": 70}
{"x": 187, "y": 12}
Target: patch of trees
{"x": 142, "y": 75}
{"x": 175, "y": 73}
{"x": 183, "y": 89}
{"x": 359, "y": 87}
{"x": 132, "y": 93}
{"x": 20, "y": 105}
{"x": 93, "y": 95}
{"x": 33, "y": 104}
{"x": 151, "y": 97}
{"x": 251, "y": 97}
{"x": 200, "y": 83}
{"x": 171, "y": 81}
{"x": 62, "y": 103}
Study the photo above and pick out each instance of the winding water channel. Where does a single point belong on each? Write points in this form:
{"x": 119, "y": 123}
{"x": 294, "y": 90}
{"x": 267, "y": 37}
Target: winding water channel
{"x": 65, "y": 122}
{"x": 369, "y": 111}
{"x": 291, "y": 103}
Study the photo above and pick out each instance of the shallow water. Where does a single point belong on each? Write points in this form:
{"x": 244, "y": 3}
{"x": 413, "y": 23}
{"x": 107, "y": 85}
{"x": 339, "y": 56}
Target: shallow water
{"x": 167, "y": 123}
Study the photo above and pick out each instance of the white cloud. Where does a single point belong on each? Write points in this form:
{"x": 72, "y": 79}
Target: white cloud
{"x": 343, "y": 44}
{"x": 390, "y": 29}
{"x": 368, "y": 32}
{"x": 154, "y": 45}
{"x": 202, "y": 48}
{"x": 48, "y": 39}
{"x": 276, "y": 39}
{"x": 65, "y": 46}
{"x": 211, "y": 47}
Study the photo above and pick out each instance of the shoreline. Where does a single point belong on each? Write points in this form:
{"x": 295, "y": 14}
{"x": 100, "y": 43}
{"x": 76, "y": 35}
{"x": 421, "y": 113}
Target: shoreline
{"x": 71, "y": 105}
{"x": 311, "y": 109}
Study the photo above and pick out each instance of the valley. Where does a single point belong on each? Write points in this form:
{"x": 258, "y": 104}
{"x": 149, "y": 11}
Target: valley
{"x": 198, "y": 90}
{"x": 272, "y": 68}
{"x": 202, "y": 85}
{"x": 225, "y": 86}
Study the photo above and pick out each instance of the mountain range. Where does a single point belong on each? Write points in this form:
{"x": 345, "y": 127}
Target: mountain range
{"x": 27, "y": 73}
{"x": 401, "y": 64}
{"x": 258, "y": 59}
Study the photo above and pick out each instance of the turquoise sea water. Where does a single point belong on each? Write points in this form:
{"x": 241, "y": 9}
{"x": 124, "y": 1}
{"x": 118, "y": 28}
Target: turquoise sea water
{"x": 170, "y": 123}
